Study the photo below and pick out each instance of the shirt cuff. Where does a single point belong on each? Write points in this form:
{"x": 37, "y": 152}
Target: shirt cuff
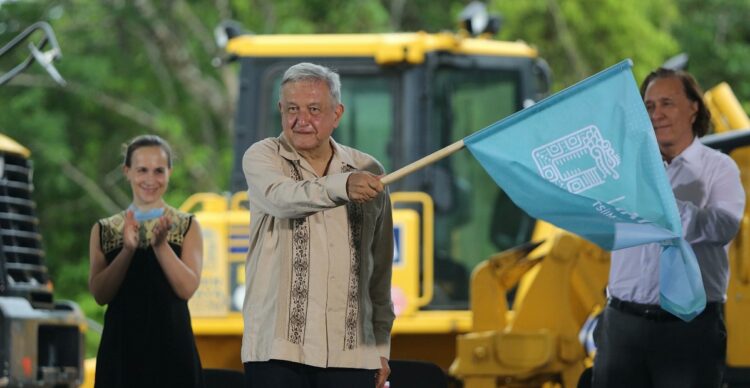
{"x": 336, "y": 187}
{"x": 384, "y": 350}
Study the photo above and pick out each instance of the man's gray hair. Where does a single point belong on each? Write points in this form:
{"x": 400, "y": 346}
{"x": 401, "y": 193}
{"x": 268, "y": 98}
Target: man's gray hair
{"x": 306, "y": 71}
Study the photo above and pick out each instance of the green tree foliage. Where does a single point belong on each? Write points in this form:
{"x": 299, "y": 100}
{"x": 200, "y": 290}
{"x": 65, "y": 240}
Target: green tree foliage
{"x": 579, "y": 38}
{"x": 132, "y": 68}
{"x": 423, "y": 15}
{"x": 716, "y": 36}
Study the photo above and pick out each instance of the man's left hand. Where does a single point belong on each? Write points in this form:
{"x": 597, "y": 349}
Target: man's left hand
{"x": 382, "y": 375}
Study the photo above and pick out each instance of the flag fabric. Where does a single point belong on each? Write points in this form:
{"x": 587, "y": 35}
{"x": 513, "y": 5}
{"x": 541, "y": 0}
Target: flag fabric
{"x": 586, "y": 160}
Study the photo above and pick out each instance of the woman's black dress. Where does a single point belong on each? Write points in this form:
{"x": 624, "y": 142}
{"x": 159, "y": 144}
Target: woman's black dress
{"x": 147, "y": 339}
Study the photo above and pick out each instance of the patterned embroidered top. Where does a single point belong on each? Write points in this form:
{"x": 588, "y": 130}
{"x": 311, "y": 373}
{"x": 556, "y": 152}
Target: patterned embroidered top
{"x": 111, "y": 229}
{"x": 319, "y": 266}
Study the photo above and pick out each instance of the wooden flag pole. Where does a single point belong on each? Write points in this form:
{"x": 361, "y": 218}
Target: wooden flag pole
{"x": 421, "y": 163}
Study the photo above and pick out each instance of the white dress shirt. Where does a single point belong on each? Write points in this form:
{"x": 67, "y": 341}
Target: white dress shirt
{"x": 711, "y": 201}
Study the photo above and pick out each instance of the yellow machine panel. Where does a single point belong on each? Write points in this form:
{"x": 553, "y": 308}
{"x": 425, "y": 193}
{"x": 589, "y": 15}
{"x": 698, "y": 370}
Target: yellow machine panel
{"x": 386, "y": 48}
{"x": 727, "y": 115}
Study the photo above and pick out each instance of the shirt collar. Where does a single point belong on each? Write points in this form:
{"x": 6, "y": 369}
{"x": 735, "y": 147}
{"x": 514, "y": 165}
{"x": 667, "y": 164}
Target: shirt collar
{"x": 288, "y": 152}
{"x": 689, "y": 153}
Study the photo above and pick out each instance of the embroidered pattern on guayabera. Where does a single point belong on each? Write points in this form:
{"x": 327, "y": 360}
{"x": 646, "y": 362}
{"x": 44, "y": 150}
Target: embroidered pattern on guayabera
{"x": 299, "y": 292}
{"x": 356, "y": 219}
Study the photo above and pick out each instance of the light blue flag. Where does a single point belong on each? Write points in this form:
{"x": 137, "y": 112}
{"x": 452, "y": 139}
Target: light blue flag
{"x": 586, "y": 160}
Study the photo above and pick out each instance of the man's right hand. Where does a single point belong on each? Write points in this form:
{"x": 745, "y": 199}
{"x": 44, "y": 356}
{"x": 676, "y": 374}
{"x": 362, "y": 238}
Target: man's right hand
{"x": 363, "y": 186}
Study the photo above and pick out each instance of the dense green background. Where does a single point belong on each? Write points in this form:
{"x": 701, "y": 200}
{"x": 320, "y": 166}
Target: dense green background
{"x": 145, "y": 66}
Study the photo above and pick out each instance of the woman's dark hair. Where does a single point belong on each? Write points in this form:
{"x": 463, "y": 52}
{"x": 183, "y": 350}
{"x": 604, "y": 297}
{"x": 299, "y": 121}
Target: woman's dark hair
{"x": 147, "y": 141}
{"x": 693, "y": 92}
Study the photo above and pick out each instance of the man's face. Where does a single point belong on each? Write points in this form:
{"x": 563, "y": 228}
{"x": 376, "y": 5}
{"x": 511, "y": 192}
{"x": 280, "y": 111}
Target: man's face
{"x": 308, "y": 115}
{"x": 672, "y": 113}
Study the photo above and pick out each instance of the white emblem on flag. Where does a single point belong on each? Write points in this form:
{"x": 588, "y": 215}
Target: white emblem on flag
{"x": 579, "y": 161}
